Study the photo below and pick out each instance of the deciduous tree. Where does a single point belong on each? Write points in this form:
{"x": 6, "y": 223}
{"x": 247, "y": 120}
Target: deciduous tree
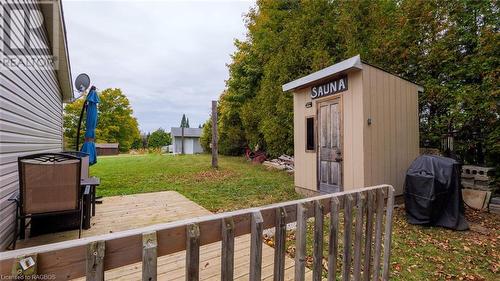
{"x": 159, "y": 138}
{"x": 449, "y": 47}
{"x": 116, "y": 122}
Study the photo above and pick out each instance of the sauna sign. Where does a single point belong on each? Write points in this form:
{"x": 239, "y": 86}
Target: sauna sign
{"x": 332, "y": 87}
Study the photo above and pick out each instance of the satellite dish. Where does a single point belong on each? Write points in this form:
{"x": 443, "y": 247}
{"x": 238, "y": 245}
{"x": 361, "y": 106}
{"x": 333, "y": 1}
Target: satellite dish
{"x": 82, "y": 82}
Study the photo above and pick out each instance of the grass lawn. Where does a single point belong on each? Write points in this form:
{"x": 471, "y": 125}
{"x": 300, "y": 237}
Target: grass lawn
{"x": 430, "y": 253}
{"x": 418, "y": 253}
{"x": 235, "y": 185}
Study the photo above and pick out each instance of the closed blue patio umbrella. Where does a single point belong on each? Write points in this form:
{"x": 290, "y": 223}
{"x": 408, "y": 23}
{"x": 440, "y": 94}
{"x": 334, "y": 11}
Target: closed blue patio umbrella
{"x": 91, "y": 123}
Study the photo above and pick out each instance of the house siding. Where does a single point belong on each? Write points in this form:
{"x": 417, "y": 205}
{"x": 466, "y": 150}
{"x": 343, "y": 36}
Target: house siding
{"x": 30, "y": 122}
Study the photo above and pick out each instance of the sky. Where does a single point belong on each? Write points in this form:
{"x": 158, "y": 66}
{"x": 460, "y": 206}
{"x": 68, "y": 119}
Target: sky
{"x": 168, "y": 57}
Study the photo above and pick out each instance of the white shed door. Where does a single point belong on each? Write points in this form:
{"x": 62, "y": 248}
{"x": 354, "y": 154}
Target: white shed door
{"x": 188, "y": 146}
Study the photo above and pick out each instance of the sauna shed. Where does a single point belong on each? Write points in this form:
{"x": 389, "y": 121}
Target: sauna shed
{"x": 355, "y": 125}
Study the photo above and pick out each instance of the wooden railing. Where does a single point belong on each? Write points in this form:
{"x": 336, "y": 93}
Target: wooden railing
{"x": 364, "y": 237}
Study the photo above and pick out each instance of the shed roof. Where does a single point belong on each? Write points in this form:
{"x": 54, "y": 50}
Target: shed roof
{"x": 354, "y": 63}
{"x": 351, "y": 63}
{"x": 188, "y": 132}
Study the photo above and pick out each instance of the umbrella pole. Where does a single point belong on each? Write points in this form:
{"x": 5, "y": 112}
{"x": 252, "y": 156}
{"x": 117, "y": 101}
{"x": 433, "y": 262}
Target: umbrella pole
{"x": 79, "y": 127}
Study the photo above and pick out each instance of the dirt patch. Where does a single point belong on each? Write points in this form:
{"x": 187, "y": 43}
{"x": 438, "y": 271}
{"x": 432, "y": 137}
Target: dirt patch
{"x": 208, "y": 176}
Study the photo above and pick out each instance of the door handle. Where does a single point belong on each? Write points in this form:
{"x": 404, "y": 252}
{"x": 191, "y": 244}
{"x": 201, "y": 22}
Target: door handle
{"x": 339, "y": 156}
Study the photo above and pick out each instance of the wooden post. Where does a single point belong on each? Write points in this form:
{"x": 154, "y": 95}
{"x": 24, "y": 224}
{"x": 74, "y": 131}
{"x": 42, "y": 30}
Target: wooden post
{"x": 227, "y": 255}
{"x": 192, "y": 252}
{"x": 333, "y": 244}
{"x": 256, "y": 246}
{"x": 368, "y": 237}
{"x": 358, "y": 236}
{"x": 149, "y": 256}
{"x": 279, "y": 244}
{"x": 388, "y": 232}
{"x": 25, "y": 267}
{"x": 300, "y": 242}
{"x": 346, "y": 259}
{"x": 95, "y": 261}
{"x": 378, "y": 233}
{"x": 215, "y": 146}
{"x": 318, "y": 241}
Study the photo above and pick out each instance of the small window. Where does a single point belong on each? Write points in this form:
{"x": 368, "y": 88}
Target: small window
{"x": 310, "y": 146}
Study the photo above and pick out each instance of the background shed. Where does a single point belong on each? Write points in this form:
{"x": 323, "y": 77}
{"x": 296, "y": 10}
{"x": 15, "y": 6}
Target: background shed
{"x": 191, "y": 140}
{"x": 107, "y": 148}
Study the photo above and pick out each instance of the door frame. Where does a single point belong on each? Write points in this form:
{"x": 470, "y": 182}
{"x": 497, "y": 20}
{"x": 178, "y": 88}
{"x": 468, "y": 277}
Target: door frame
{"x": 330, "y": 99}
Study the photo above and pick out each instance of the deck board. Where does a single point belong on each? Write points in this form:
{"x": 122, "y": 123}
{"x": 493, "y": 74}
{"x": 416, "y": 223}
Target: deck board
{"x": 120, "y": 213}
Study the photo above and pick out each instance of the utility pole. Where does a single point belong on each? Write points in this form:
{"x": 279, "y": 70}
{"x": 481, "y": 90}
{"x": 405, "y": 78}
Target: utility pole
{"x": 215, "y": 161}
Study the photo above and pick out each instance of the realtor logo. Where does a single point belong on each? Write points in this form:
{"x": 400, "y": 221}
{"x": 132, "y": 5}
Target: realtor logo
{"x": 23, "y": 38}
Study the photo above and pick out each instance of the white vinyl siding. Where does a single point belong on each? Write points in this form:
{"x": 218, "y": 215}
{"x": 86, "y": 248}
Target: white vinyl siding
{"x": 30, "y": 122}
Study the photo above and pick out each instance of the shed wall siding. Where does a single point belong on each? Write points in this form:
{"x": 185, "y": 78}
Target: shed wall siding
{"x": 352, "y": 114}
{"x": 30, "y": 122}
{"x": 305, "y": 162}
{"x": 351, "y": 101}
{"x": 391, "y": 141}
{"x": 191, "y": 145}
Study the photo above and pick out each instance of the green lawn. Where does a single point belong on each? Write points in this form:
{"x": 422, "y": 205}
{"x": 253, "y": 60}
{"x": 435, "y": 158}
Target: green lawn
{"x": 418, "y": 253}
{"x": 429, "y": 253}
{"x": 236, "y": 184}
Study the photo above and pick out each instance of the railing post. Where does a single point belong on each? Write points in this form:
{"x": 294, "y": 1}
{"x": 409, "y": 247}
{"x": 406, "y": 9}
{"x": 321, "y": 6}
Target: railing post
{"x": 300, "y": 242}
{"x": 358, "y": 236}
{"x": 333, "y": 239}
{"x": 346, "y": 259}
{"x": 149, "y": 256}
{"x": 279, "y": 244}
{"x": 256, "y": 246}
{"x": 378, "y": 233}
{"x": 192, "y": 252}
{"x": 369, "y": 235}
{"x": 388, "y": 232}
{"x": 227, "y": 255}
{"x": 95, "y": 261}
{"x": 318, "y": 241}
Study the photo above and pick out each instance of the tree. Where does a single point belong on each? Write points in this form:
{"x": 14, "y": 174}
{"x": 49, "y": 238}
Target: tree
{"x": 159, "y": 138}
{"x": 141, "y": 142}
{"x": 449, "y": 47}
{"x": 206, "y": 136}
{"x": 183, "y": 121}
{"x": 116, "y": 122}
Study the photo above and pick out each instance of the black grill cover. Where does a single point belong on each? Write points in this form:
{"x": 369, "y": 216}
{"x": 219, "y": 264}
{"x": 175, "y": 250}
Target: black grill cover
{"x": 433, "y": 193}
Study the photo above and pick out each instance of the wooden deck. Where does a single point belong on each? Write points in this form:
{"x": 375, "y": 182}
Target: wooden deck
{"x": 132, "y": 211}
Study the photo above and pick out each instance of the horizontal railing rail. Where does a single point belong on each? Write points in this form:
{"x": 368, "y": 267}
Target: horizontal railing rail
{"x": 365, "y": 235}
